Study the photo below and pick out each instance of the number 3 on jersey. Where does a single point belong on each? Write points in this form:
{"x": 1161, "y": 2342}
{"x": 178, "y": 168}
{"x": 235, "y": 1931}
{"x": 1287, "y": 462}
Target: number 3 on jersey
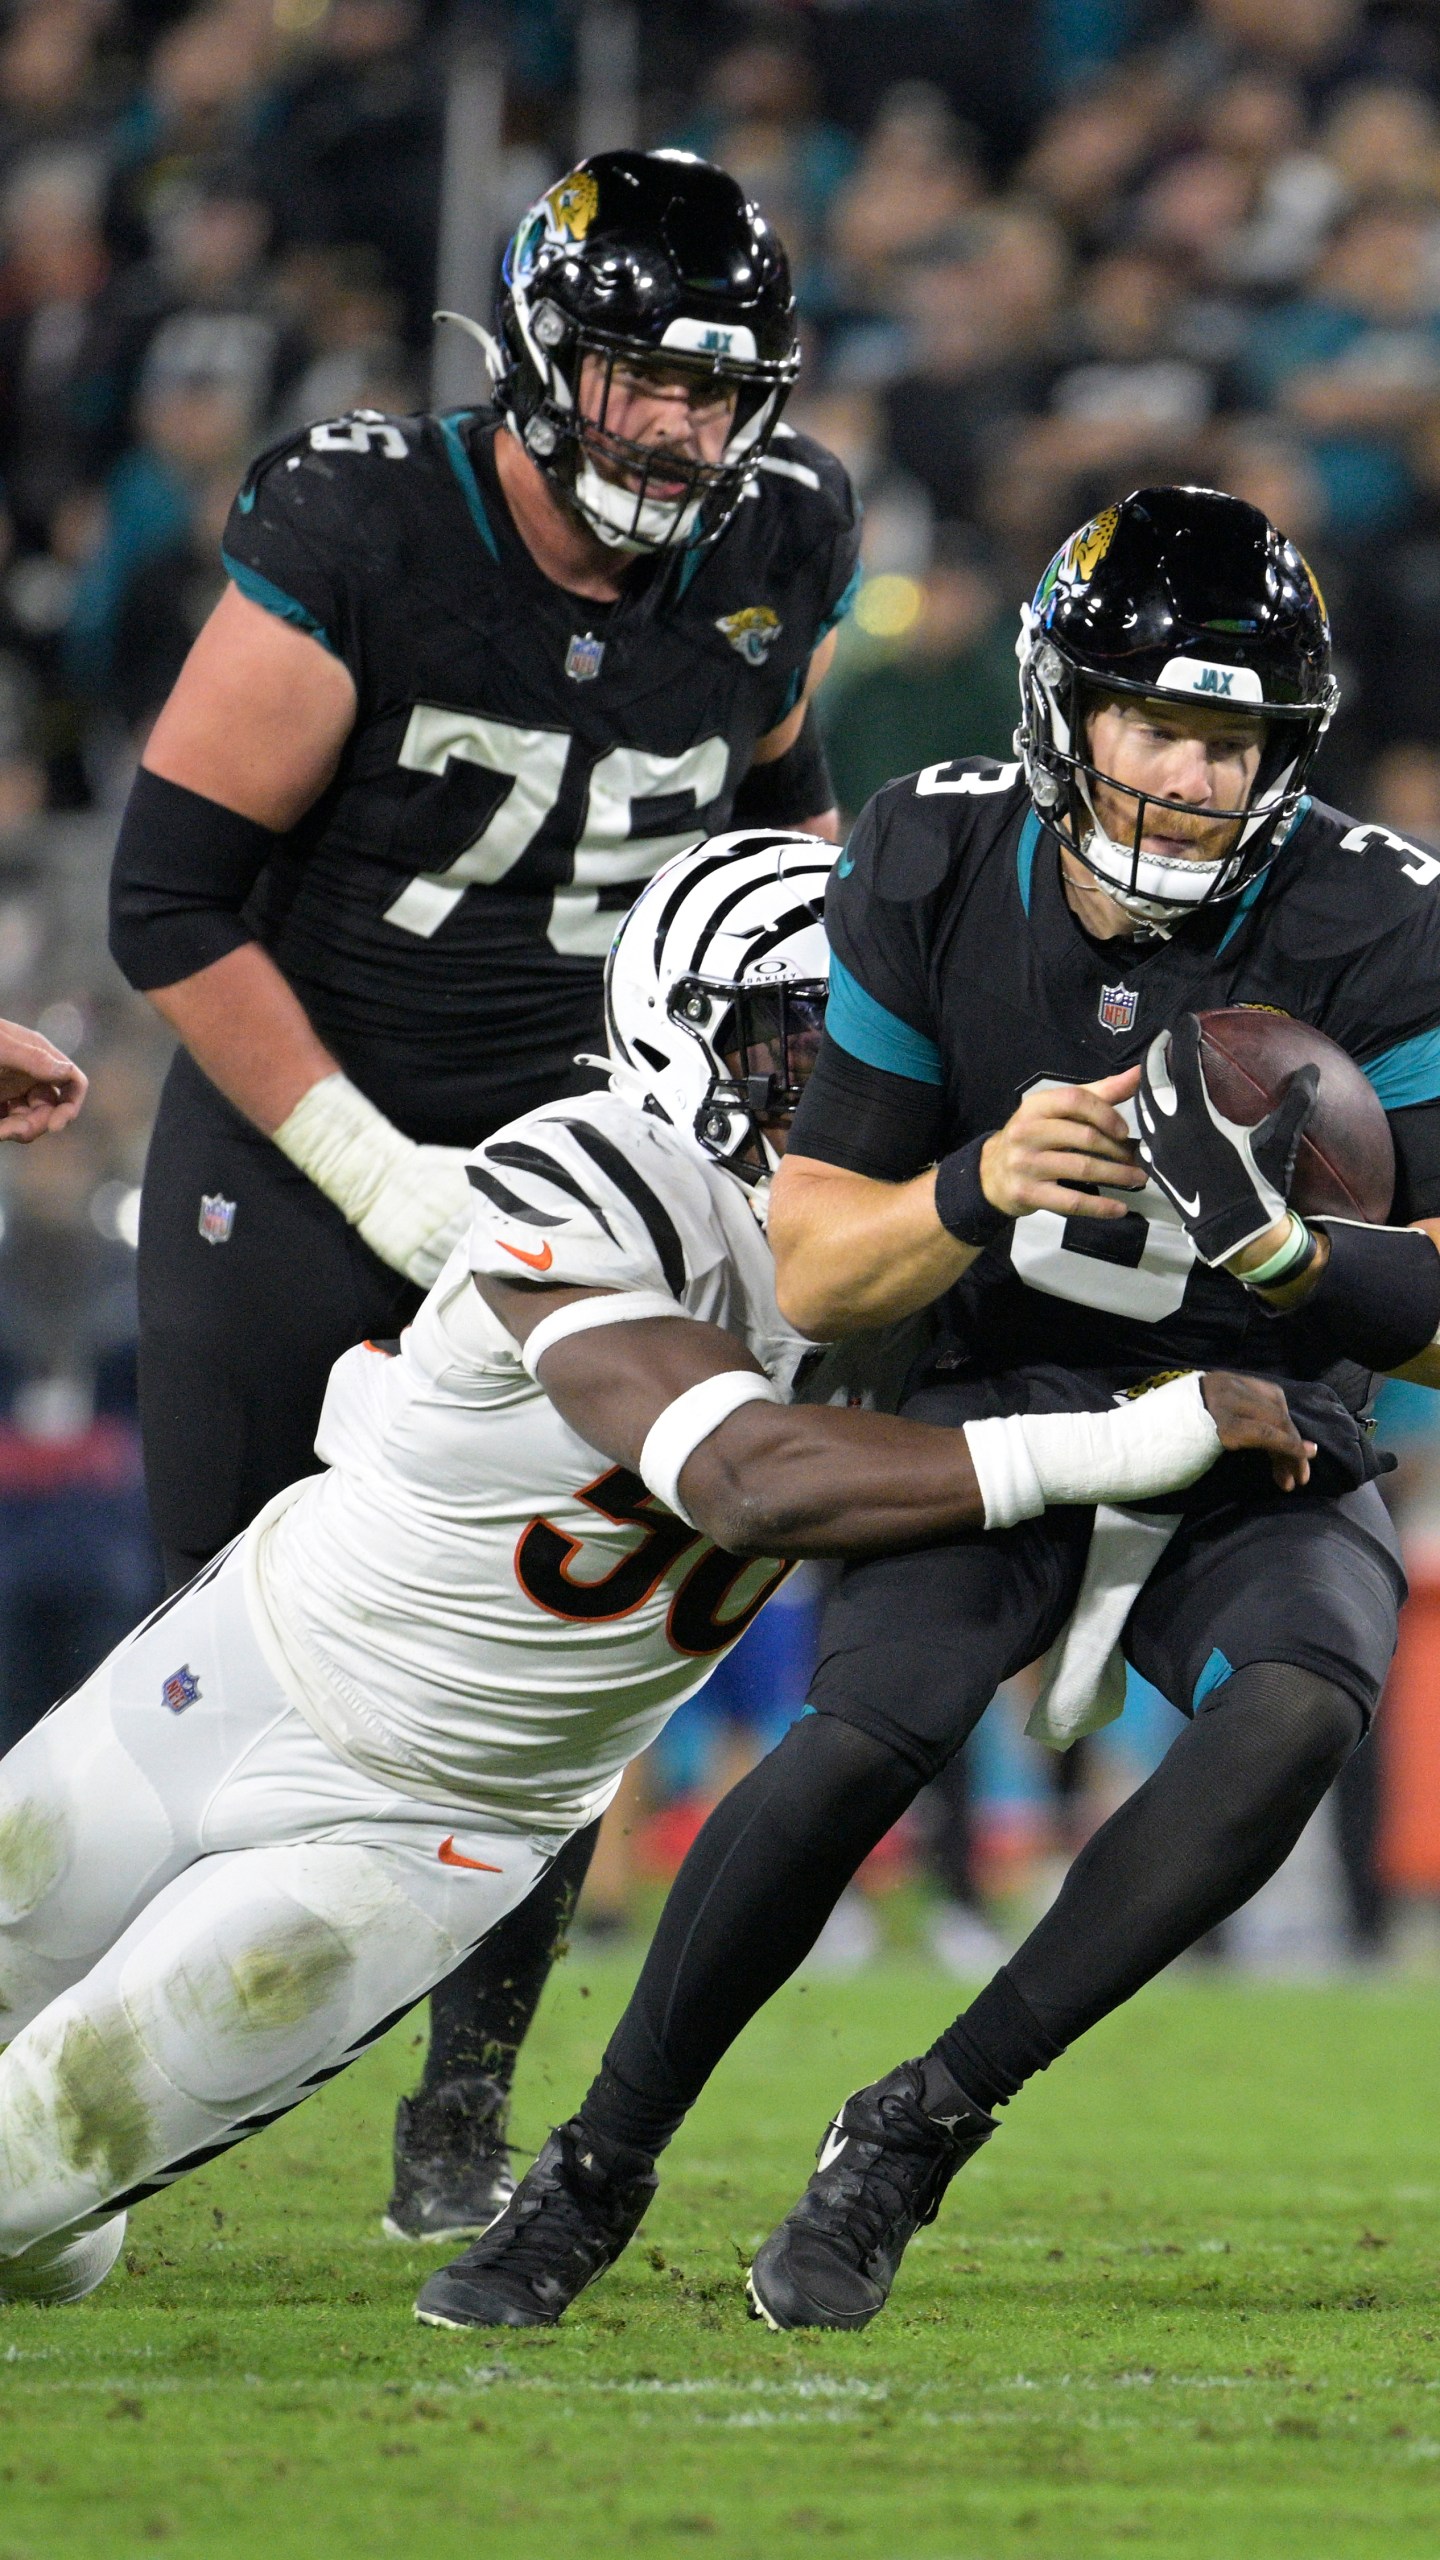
{"x": 1136, "y": 1266}
{"x": 611, "y": 852}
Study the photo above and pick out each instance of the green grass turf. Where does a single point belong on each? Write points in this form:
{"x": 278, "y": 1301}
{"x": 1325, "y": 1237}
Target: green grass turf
{"x": 1186, "y": 2305}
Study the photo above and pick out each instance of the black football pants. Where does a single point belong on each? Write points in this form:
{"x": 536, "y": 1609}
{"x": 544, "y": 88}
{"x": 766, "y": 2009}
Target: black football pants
{"x": 237, "y": 1341}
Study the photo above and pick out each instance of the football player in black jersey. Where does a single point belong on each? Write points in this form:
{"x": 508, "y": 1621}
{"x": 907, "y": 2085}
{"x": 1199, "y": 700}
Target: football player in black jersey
{"x": 1015, "y": 947}
{"x": 474, "y": 679}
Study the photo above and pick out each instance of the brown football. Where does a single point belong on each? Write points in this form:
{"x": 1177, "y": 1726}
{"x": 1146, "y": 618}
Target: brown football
{"x": 1346, "y": 1164}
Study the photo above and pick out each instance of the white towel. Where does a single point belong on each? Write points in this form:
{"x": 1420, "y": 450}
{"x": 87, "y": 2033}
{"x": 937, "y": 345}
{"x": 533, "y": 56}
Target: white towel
{"x": 1082, "y": 1679}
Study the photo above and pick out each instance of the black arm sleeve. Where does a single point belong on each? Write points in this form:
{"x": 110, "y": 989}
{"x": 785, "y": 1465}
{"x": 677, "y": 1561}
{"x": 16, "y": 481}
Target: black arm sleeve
{"x": 184, "y": 867}
{"x": 1416, "y": 1132}
{"x": 866, "y": 1119}
{"x": 790, "y": 787}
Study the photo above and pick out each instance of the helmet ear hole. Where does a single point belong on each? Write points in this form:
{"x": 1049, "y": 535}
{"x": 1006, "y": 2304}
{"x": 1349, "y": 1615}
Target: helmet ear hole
{"x": 652, "y": 1056}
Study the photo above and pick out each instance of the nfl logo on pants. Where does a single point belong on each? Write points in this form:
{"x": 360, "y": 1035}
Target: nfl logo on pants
{"x": 1117, "y": 1007}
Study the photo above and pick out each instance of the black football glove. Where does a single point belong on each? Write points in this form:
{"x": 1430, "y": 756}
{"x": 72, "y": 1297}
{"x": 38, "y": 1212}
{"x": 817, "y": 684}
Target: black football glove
{"x": 1229, "y": 1183}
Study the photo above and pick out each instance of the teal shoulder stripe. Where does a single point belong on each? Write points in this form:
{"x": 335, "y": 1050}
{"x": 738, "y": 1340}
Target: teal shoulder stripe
{"x": 842, "y": 605}
{"x": 1410, "y": 1072}
{"x": 464, "y": 470}
{"x": 869, "y": 1031}
{"x": 1025, "y": 857}
{"x": 263, "y": 591}
{"x": 1243, "y": 905}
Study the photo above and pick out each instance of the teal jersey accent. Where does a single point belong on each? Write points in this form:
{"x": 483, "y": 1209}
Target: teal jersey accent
{"x": 869, "y": 1031}
{"x": 263, "y": 591}
{"x": 1025, "y": 857}
{"x": 1410, "y": 1072}
{"x": 1243, "y": 905}
{"x": 464, "y": 470}
{"x": 1217, "y": 1670}
{"x": 842, "y": 604}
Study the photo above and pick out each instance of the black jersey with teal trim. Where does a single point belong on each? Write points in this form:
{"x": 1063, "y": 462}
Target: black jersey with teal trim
{"x": 961, "y": 973}
{"x": 522, "y": 758}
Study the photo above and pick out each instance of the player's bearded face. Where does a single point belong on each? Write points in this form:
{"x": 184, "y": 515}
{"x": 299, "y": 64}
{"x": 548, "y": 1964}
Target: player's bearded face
{"x": 1205, "y": 757}
{"x": 679, "y": 408}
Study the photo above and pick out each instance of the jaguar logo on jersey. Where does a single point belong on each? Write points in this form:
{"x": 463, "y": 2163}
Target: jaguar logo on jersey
{"x": 582, "y": 658}
{"x": 217, "y": 1217}
{"x": 180, "y": 1691}
{"x": 754, "y": 631}
{"x": 1118, "y": 1006}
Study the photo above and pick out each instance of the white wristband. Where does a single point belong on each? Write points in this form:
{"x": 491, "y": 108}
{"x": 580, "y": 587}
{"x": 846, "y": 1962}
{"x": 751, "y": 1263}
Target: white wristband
{"x": 1157, "y": 1443}
{"x": 618, "y": 1306}
{"x": 676, "y": 1434}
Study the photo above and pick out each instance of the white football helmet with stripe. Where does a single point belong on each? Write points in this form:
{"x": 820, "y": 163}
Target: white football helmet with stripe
{"x": 715, "y": 991}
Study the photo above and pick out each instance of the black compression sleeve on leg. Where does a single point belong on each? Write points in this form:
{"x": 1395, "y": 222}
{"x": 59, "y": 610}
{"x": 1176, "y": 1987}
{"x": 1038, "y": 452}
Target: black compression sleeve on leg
{"x": 747, "y": 1906}
{"x": 1226, "y": 1805}
{"x": 480, "y": 2014}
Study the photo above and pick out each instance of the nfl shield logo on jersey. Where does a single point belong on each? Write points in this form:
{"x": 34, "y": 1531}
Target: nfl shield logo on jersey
{"x": 217, "y": 1217}
{"x": 180, "y": 1691}
{"x": 582, "y": 658}
{"x": 1117, "y": 1007}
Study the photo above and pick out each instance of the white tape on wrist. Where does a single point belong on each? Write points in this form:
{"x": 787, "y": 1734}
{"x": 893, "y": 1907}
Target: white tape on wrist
{"x": 627, "y": 1306}
{"x": 346, "y": 1146}
{"x": 676, "y": 1434}
{"x": 411, "y": 1203}
{"x": 1156, "y": 1444}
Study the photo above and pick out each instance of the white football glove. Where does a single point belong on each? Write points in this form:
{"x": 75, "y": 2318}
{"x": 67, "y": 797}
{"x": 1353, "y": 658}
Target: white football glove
{"x": 410, "y": 1203}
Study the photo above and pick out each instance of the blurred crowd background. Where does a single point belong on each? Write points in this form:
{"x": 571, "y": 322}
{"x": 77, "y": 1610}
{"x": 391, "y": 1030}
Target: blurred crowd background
{"x": 1046, "y": 250}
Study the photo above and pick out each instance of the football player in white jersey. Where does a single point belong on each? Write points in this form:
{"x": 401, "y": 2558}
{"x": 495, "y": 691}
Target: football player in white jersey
{"x": 295, "y": 1797}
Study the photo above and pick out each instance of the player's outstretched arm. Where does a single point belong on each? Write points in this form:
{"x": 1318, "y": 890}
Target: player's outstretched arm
{"x": 40, "y": 1088}
{"x": 765, "y": 1478}
{"x": 852, "y": 1253}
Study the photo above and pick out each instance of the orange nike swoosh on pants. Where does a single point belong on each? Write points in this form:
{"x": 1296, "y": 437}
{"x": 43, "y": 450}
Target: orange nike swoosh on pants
{"x": 450, "y": 1856}
{"x": 537, "y": 1261}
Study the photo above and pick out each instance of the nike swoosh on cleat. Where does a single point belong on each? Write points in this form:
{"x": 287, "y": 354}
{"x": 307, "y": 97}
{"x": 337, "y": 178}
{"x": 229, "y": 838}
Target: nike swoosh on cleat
{"x": 831, "y": 2148}
{"x": 538, "y": 1261}
{"x": 450, "y": 1856}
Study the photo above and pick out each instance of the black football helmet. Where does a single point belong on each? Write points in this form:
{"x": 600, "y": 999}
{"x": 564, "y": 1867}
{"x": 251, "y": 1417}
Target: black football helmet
{"x": 639, "y": 256}
{"x": 1180, "y": 596}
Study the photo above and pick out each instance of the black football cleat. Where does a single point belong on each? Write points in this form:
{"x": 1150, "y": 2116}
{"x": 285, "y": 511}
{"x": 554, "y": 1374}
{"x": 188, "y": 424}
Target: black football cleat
{"x": 567, "y": 2222}
{"x": 883, "y": 2168}
{"x": 452, "y": 2164}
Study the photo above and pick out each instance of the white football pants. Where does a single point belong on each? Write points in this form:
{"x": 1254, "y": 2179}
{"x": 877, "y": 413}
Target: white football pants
{"x": 204, "y": 1913}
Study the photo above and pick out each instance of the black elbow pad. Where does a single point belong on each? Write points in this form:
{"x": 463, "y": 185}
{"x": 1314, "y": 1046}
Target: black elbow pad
{"x": 184, "y": 867}
{"x": 791, "y": 787}
{"x": 1377, "y": 1301}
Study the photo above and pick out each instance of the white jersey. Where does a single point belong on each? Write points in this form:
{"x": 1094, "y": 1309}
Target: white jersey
{"x": 472, "y": 1601}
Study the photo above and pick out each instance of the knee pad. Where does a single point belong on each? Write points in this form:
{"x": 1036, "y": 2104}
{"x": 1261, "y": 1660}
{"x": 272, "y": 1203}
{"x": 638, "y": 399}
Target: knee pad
{"x": 1300, "y": 1713}
{"x": 239, "y": 1994}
